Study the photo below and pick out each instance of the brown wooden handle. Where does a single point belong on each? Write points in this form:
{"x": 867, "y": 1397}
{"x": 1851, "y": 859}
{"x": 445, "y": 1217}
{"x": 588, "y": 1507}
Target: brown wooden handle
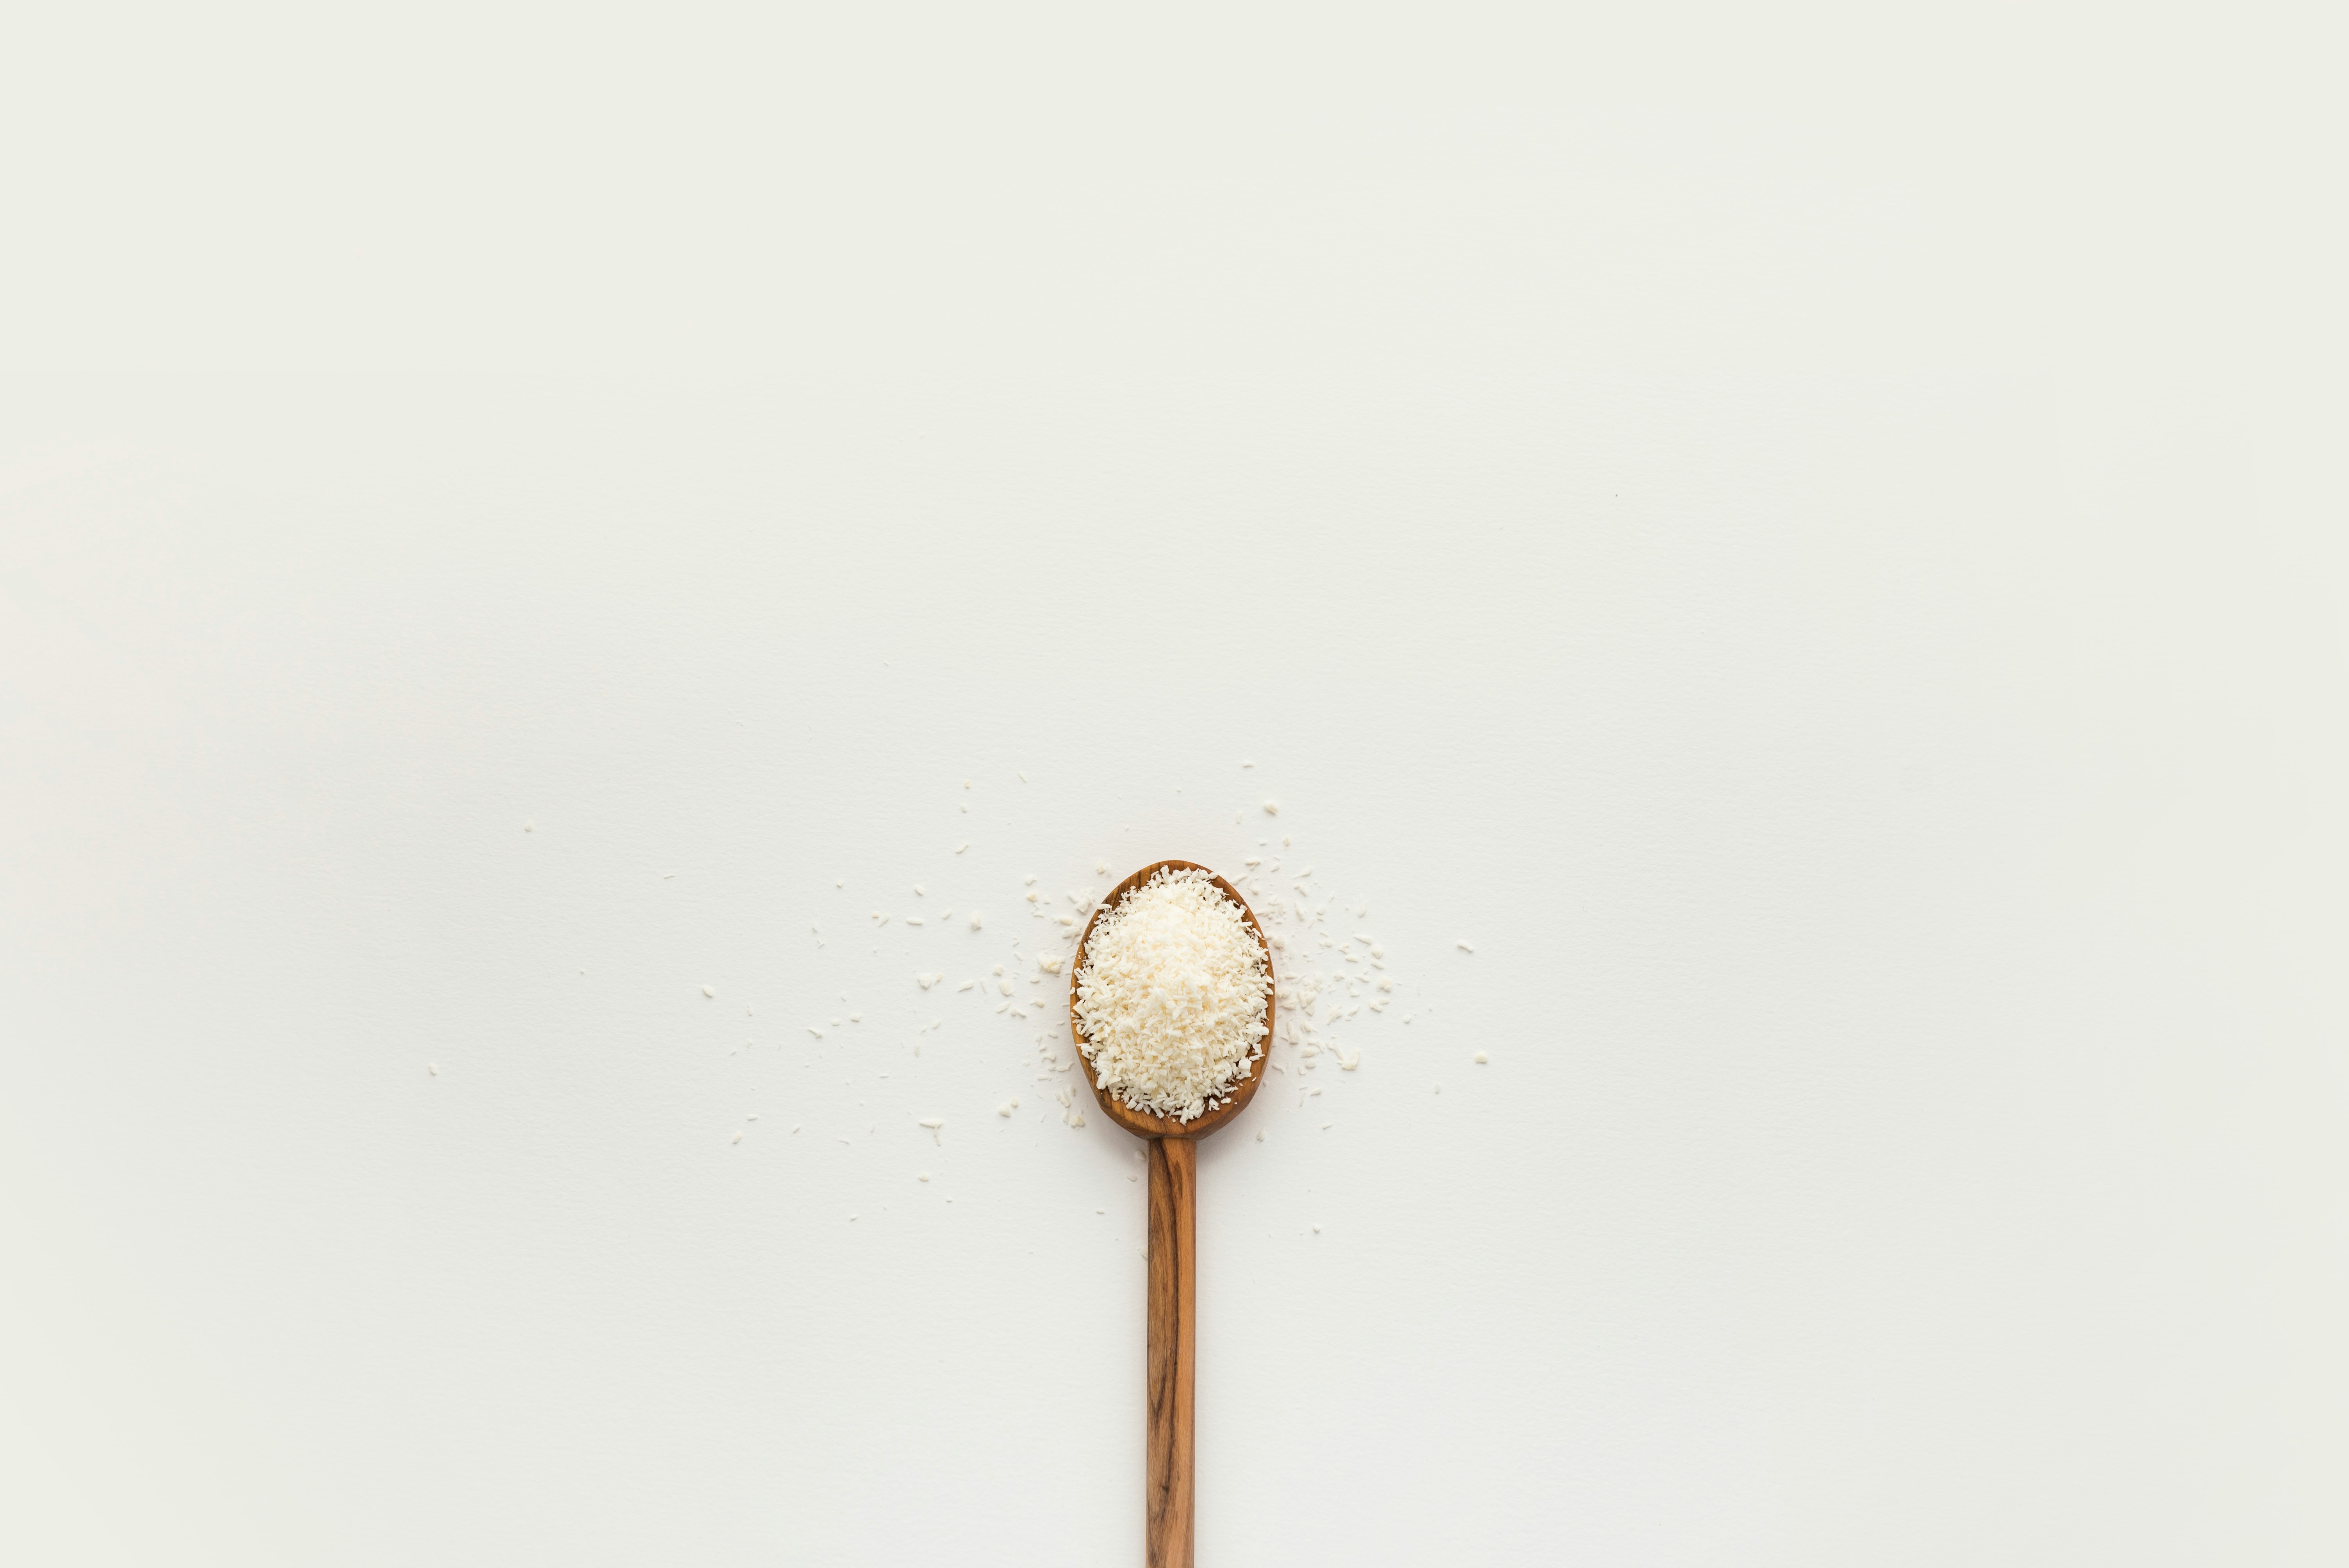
{"x": 1171, "y": 1351}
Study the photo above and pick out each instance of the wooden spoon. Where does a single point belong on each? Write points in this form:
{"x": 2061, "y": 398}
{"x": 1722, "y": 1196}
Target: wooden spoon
{"x": 1171, "y": 1343}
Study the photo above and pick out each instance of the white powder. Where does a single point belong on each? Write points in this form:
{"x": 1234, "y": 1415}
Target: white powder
{"x": 1171, "y": 996}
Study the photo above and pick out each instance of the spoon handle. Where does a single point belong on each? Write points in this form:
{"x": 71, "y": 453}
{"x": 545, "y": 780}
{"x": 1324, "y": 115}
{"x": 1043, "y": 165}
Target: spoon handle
{"x": 1171, "y": 1351}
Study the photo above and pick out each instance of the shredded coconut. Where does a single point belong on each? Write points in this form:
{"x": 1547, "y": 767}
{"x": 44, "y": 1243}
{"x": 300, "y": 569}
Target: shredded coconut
{"x": 1171, "y": 996}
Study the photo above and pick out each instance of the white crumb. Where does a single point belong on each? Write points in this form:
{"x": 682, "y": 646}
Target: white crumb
{"x": 1480, "y": 1059}
{"x": 1463, "y": 945}
{"x": 432, "y": 1067}
{"x": 709, "y": 991}
{"x": 1272, "y": 808}
{"x": 1171, "y": 996}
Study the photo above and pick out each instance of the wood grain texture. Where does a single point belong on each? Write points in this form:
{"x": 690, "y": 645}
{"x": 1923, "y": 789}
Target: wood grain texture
{"x": 1170, "y": 1352}
{"x": 1140, "y": 1123}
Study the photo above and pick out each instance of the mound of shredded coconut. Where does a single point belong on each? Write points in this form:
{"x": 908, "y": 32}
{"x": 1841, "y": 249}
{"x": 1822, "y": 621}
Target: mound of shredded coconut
{"x": 1171, "y": 996}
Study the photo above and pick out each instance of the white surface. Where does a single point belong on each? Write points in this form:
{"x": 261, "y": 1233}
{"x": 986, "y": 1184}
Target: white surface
{"x": 1816, "y": 548}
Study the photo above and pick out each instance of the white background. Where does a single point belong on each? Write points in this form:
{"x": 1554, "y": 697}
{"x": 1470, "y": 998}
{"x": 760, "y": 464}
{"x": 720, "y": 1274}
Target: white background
{"x": 1815, "y": 542}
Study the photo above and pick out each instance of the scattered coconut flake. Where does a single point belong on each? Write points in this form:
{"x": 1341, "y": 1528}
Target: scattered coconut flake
{"x": 913, "y": 920}
{"x": 921, "y": 1176}
{"x": 811, "y": 1029}
{"x": 1480, "y": 1059}
{"x": 1463, "y": 945}
{"x": 977, "y": 920}
{"x": 1100, "y": 868}
{"x": 432, "y": 1067}
{"x": 1272, "y": 808}
{"x": 961, "y": 847}
{"x": 708, "y": 991}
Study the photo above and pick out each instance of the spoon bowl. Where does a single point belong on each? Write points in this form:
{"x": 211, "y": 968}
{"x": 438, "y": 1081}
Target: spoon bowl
{"x": 1141, "y": 1123}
